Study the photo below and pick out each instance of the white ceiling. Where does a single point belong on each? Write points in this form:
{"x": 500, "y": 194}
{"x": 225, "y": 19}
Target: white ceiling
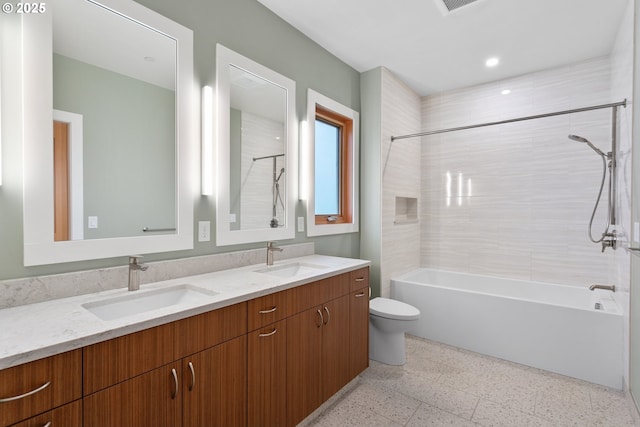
{"x": 432, "y": 52}
{"x": 95, "y": 35}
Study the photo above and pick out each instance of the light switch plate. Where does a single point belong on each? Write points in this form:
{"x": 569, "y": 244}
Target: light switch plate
{"x": 204, "y": 231}
{"x": 300, "y": 224}
{"x": 92, "y": 222}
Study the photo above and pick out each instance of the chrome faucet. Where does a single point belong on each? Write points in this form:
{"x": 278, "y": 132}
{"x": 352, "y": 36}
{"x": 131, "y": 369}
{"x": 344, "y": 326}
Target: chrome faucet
{"x": 611, "y": 288}
{"x": 134, "y": 267}
{"x": 270, "y": 249}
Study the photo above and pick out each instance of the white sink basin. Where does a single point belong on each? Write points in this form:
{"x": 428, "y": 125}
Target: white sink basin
{"x": 291, "y": 269}
{"x": 139, "y": 301}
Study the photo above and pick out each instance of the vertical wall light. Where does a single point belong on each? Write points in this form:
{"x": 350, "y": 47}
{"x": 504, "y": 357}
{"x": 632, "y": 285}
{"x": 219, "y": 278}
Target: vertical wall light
{"x": 304, "y": 160}
{"x": 207, "y": 141}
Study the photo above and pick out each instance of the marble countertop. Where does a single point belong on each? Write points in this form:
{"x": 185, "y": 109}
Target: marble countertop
{"x": 34, "y": 331}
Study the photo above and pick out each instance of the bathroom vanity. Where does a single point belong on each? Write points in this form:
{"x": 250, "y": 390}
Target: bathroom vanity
{"x": 263, "y": 346}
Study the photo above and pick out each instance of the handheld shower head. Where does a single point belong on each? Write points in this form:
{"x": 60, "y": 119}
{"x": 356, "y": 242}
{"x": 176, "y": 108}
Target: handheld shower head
{"x": 586, "y": 141}
{"x": 578, "y": 138}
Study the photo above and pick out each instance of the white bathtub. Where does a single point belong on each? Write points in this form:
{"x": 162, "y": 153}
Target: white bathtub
{"x": 551, "y": 327}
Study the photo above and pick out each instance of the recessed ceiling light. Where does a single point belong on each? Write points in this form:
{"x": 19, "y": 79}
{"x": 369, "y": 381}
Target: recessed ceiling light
{"x": 492, "y": 62}
{"x": 506, "y": 91}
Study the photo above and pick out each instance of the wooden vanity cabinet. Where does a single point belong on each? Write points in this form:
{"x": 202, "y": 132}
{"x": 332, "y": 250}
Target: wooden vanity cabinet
{"x": 270, "y": 361}
{"x": 317, "y": 345}
{"x": 37, "y": 387}
{"x": 359, "y": 321}
{"x": 267, "y": 376}
{"x": 204, "y": 383}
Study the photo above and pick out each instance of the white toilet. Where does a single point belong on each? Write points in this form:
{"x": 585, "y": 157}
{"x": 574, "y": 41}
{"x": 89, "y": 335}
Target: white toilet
{"x": 388, "y": 321}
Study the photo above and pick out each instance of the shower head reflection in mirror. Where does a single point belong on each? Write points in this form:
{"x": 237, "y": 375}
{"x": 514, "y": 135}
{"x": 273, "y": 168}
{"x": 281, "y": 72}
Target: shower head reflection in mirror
{"x": 256, "y": 151}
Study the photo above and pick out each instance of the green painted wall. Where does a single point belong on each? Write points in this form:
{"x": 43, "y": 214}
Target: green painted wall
{"x": 370, "y": 174}
{"x": 250, "y": 29}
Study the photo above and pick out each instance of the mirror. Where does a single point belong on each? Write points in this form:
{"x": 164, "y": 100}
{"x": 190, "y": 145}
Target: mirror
{"x": 256, "y": 151}
{"x": 117, "y": 93}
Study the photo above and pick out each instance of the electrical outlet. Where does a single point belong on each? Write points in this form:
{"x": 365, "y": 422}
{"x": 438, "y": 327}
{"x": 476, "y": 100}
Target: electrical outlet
{"x": 300, "y": 224}
{"x": 92, "y": 222}
{"x": 204, "y": 231}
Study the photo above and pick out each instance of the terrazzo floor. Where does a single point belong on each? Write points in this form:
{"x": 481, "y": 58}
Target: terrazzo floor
{"x": 446, "y": 386}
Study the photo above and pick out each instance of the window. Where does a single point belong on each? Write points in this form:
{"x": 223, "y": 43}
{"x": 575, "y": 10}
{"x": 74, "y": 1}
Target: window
{"x": 331, "y": 159}
{"x": 332, "y": 154}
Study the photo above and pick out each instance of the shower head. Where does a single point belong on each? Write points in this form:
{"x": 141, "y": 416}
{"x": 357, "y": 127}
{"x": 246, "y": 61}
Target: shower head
{"x": 586, "y": 141}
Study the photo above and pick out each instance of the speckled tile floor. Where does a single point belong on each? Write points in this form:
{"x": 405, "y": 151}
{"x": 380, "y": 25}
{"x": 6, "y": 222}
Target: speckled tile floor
{"x": 446, "y": 386}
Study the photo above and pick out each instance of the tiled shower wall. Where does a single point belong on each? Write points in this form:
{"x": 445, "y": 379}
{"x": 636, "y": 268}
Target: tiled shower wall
{"x": 515, "y": 200}
{"x": 400, "y": 163}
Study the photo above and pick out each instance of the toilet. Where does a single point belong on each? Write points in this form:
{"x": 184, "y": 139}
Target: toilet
{"x": 388, "y": 321}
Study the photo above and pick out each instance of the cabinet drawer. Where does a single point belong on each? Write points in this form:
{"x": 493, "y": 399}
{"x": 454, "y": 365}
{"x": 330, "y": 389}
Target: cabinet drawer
{"x": 198, "y": 333}
{"x": 69, "y": 415}
{"x": 36, "y": 387}
{"x": 110, "y": 362}
{"x": 359, "y": 279}
{"x": 316, "y": 293}
{"x": 267, "y": 309}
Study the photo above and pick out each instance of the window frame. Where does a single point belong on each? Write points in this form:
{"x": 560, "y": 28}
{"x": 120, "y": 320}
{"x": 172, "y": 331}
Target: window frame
{"x": 329, "y": 111}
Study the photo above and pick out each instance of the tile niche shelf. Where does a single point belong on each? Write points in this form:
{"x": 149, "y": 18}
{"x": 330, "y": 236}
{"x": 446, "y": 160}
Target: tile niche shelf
{"x": 406, "y": 210}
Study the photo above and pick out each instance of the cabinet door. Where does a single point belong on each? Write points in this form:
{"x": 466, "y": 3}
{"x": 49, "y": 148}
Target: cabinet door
{"x": 267, "y": 376}
{"x": 215, "y": 386}
{"x": 152, "y": 399}
{"x": 358, "y": 331}
{"x": 335, "y": 346}
{"x": 69, "y": 415}
{"x": 304, "y": 358}
{"x": 109, "y": 362}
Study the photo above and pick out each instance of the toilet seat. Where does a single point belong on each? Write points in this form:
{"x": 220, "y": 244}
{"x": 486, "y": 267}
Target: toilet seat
{"x": 392, "y": 309}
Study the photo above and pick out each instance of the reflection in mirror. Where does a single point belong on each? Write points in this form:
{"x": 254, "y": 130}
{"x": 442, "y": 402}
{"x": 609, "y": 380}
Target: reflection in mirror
{"x": 257, "y": 125}
{"x": 256, "y": 151}
{"x": 122, "y": 94}
{"x": 117, "y": 80}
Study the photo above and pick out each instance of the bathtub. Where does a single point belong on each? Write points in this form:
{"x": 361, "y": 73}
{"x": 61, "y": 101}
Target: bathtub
{"x": 546, "y": 326}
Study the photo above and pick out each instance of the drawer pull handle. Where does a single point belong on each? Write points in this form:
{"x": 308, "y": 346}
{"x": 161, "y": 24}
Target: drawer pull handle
{"x": 328, "y": 315}
{"x": 175, "y": 383}
{"x": 22, "y": 396}
{"x": 193, "y": 376}
{"x": 360, "y": 279}
{"x": 269, "y": 334}
{"x": 271, "y": 310}
{"x": 360, "y": 295}
{"x": 321, "y": 319}
{"x": 47, "y": 424}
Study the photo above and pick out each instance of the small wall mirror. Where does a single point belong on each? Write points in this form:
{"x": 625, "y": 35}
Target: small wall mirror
{"x": 256, "y": 148}
{"x": 115, "y": 83}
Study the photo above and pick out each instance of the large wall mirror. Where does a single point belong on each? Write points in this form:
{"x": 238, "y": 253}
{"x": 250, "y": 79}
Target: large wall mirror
{"x": 109, "y": 127}
{"x": 256, "y": 151}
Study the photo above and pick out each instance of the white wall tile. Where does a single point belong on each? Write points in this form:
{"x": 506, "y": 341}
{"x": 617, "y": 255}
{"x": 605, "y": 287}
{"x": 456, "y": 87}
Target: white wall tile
{"x": 532, "y": 189}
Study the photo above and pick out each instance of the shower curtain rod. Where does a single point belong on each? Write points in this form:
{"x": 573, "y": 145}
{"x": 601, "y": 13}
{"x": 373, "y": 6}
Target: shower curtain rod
{"x": 518, "y": 119}
{"x": 268, "y": 157}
